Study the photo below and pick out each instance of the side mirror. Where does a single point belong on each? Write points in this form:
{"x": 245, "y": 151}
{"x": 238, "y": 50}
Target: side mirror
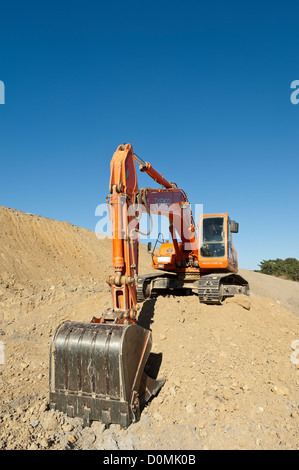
{"x": 234, "y": 226}
{"x": 149, "y": 247}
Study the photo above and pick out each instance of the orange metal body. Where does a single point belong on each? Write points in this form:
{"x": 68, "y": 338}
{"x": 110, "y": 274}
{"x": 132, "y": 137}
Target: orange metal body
{"x": 168, "y": 256}
{"x": 228, "y": 262}
{"x": 181, "y": 256}
{"x": 156, "y": 176}
{"x": 123, "y": 186}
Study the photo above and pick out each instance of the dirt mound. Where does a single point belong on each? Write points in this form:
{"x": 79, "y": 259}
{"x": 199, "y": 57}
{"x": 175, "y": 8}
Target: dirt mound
{"x": 231, "y": 370}
{"x": 34, "y": 248}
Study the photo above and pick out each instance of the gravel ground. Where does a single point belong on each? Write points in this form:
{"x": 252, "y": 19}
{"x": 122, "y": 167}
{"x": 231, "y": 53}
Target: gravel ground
{"x": 231, "y": 371}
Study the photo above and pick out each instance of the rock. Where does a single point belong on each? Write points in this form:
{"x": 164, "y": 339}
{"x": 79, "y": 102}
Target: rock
{"x": 240, "y": 299}
{"x": 244, "y": 387}
{"x": 280, "y": 390}
{"x": 190, "y": 409}
{"x": 158, "y": 417}
{"x": 43, "y": 407}
{"x": 50, "y": 422}
{"x": 24, "y": 365}
{"x": 227, "y": 394}
{"x": 126, "y": 443}
{"x": 67, "y": 427}
{"x": 88, "y": 436}
{"x": 34, "y": 423}
{"x": 99, "y": 427}
{"x": 44, "y": 443}
{"x": 33, "y": 446}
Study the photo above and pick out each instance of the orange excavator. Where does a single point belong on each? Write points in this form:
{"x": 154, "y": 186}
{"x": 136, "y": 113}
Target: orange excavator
{"x": 97, "y": 367}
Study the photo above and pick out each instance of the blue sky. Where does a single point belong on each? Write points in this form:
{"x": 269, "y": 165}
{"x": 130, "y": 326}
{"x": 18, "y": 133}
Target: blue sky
{"x": 201, "y": 90}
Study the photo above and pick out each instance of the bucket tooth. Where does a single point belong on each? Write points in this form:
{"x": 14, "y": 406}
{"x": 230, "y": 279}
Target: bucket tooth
{"x": 97, "y": 371}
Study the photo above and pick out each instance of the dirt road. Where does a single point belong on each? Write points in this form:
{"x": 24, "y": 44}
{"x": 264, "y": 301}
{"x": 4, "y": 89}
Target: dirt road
{"x": 231, "y": 371}
{"x": 282, "y": 291}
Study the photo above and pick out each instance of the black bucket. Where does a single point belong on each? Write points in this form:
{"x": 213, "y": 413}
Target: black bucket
{"x": 97, "y": 371}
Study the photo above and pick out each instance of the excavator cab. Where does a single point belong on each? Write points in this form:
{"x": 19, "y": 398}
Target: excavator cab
{"x": 216, "y": 249}
{"x": 213, "y": 237}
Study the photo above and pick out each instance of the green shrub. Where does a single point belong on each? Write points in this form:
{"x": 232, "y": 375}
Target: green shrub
{"x": 287, "y": 268}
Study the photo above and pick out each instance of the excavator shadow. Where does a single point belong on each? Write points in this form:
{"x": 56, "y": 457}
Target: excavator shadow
{"x": 153, "y": 364}
{"x": 145, "y": 317}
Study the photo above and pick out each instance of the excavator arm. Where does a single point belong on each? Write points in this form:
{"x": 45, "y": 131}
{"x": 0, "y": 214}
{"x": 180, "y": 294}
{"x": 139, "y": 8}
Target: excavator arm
{"x": 127, "y": 203}
{"x": 97, "y": 368}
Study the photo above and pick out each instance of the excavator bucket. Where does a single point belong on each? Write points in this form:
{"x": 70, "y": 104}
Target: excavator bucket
{"x": 97, "y": 372}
